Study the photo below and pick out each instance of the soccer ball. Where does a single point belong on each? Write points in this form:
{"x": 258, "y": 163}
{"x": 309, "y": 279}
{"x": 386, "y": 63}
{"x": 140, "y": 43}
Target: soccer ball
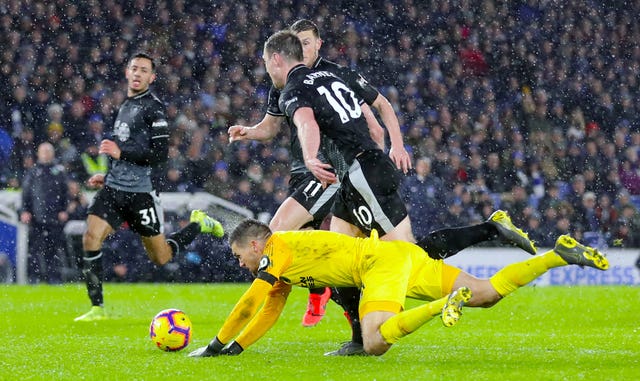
{"x": 170, "y": 330}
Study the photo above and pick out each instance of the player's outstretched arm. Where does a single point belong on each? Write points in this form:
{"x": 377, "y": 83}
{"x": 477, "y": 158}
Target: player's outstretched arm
{"x": 265, "y": 130}
{"x": 398, "y": 153}
{"x": 243, "y": 312}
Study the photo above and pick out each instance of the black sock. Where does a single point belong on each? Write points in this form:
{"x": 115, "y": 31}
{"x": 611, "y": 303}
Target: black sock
{"x": 349, "y": 299}
{"x": 92, "y": 270}
{"x": 447, "y": 242}
{"x": 183, "y": 237}
{"x": 318, "y": 291}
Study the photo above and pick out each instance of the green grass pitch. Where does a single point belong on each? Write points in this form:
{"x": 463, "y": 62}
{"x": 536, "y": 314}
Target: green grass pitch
{"x": 537, "y": 333}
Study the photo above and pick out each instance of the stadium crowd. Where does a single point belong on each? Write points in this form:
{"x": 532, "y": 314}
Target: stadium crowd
{"x": 529, "y": 106}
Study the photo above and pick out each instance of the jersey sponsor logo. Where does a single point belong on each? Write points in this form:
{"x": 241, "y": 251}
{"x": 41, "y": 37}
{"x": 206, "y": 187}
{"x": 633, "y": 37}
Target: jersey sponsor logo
{"x": 122, "y": 131}
{"x": 307, "y": 281}
{"x": 264, "y": 263}
{"x": 160, "y": 123}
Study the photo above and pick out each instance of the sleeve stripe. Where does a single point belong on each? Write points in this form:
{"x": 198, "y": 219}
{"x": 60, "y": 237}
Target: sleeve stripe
{"x": 160, "y": 136}
{"x": 265, "y": 276}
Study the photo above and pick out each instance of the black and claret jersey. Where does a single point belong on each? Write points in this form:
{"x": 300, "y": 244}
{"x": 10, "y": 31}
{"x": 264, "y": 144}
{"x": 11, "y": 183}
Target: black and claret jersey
{"x": 142, "y": 133}
{"x": 356, "y": 82}
{"x": 335, "y": 106}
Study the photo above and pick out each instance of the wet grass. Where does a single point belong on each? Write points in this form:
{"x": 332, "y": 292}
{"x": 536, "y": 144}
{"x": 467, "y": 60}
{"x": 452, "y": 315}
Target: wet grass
{"x": 544, "y": 333}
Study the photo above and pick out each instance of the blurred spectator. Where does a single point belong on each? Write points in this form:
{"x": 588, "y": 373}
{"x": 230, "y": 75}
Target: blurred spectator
{"x": 78, "y": 204}
{"x": 534, "y": 85}
{"x": 424, "y": 194}
{"x": 44, "y": 209}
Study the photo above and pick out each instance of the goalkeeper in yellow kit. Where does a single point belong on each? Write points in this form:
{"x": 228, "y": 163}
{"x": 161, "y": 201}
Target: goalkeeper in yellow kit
{"x": 387, "y": 272}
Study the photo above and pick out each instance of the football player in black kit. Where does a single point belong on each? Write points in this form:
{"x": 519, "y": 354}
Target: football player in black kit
{"x": 309, "y": 203}
{"x": 140, "y": 143}
{"x": 320, "y": 104}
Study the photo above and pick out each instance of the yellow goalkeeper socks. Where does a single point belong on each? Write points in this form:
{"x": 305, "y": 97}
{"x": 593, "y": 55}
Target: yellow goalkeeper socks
{"x": 516, "y": 275}
{"x": 408, "y": 321}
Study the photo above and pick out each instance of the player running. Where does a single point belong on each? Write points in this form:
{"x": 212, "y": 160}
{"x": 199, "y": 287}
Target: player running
{"x": 309, "y": 202}
{"x": 127, "y": 194}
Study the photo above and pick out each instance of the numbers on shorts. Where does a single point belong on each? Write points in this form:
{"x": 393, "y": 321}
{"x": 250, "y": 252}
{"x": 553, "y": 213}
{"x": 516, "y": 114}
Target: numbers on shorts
{"x": 363, "y": 214}
{"x": 148, "y": 216}
{"x": 347, "y": 108}
{"x": 312, "y": 189}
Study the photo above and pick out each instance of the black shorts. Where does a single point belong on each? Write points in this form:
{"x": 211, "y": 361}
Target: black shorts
{"x": 369, "y": 196}
{"x": 308, "y": 191}
{"x": 142, "y": 211}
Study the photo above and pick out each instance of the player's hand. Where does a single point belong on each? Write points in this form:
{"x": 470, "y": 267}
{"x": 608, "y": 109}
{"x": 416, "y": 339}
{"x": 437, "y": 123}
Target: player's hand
{"x": 213, "y": 349}
{"x": 321, "y": 171}
{"x": 401, "y": 158}
{"x": 96, "y": 181}
{"x": 236, "y": 133}
{"x": 109, "y": 147}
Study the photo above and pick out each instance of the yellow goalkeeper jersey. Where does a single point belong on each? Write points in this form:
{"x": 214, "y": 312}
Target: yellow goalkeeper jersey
{"x": 388, "y": 272}
{"x": 315, "y": 258}
{"x": 303, "y": 258}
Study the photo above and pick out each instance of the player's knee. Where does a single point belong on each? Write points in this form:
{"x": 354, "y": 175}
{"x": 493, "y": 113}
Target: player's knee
{"x": 91, "y": 240}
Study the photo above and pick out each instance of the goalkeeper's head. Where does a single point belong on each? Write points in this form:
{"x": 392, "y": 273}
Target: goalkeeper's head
{"x": 247, "y": 243}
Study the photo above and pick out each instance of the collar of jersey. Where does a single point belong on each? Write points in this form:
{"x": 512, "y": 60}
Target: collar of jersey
{"x": 317, "y": 63}
{"x": 141, "y": 94}
{"x": 295, "y": 69}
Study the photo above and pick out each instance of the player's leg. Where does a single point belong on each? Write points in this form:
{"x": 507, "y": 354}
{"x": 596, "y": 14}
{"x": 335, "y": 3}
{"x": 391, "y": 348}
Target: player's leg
{"x": 162, "y": 249}
{"x": 146, "y": 217}
{"x": 306, "y": 207}
{"x": 368, "y": 199}
{"x": 291, "y": 215}
{"x": 567, "y": 251}
{"x": 96, "y": 232}
{"x": 381, "y": 329}
{"x": 387, "y": 278}
{"x": 348, "y": 298}
{"x": 446, "y": 242}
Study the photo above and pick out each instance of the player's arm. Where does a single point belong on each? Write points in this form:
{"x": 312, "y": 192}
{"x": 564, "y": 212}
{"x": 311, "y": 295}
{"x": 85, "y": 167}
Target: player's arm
{"x": 243, "y": 312}
{"x": 265, "y": 130}
{"x": 309, "y": 136}
{"x": 266, "y": 317}
{"x": 398, "y": 153}
{"x": 375, "y": 129}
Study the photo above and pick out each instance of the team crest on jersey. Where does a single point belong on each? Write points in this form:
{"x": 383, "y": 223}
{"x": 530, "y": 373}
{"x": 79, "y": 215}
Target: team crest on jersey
{"x": 134, "y": 111}
{"x": 122, "y": 131}
{"x": 264, "y": 263}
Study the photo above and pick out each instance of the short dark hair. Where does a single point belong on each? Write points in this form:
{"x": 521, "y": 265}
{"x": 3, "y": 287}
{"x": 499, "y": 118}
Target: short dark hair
{"x": 286, "y": 43}
{"x": 304, "y": 25}
{"x": 144, "y": 55}
{"x": 249, "y": 229}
